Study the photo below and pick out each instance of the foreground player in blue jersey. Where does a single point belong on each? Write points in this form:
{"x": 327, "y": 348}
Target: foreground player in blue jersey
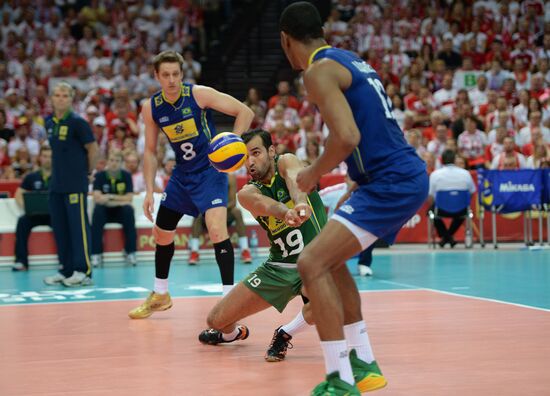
{"x": 392, "y": 185}
{"x": 182, "y": 112}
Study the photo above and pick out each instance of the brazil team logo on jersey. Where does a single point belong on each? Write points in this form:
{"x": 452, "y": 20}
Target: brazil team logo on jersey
{"x": 182, "y": 130}
{"x": 158, "y": 100}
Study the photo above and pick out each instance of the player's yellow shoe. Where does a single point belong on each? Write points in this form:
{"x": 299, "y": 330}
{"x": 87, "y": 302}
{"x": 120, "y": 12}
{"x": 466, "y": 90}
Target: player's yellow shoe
{"x": 368, "y": 376}
{"x": 154, "y": 302}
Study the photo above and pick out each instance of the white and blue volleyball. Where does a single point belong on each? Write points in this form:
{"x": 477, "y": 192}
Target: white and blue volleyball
{"x": 227, "y": 152}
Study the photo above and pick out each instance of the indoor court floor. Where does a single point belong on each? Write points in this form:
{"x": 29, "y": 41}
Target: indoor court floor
{"x": 459, "y": 322}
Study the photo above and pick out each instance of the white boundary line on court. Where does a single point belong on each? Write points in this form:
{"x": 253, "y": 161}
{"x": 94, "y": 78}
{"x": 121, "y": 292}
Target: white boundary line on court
{"x": 408, "y": 288}
{"x": 465, "y": 296}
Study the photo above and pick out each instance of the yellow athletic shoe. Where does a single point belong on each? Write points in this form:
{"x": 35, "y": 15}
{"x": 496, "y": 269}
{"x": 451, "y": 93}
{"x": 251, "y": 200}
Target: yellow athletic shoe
{"x": 368, "y": 376}
{"x": 155, "y": 302}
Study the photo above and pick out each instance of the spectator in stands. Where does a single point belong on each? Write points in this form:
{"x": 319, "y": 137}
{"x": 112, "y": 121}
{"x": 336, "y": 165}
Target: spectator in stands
{"x": 437, "y": 145}
{"x": 414, "y": 138}
{"x": 525, "y": 135}
{"x": 452, "y": 59}
{"x": 4, "y": 157}
{"x": 471, "y": 144}
{"x": 5, "y": 133}
{"x": 522, "y": 108}
{"x": 253, "y": 97}
{"x": 283, "y": 90}
{"x": 22, "y": 139}
{"x": 445, "y": 97}
{"x": 131, "y": 165}
{"x": 192, "y": 68}
{"x": 496, "y": 145}
{"x": 478, "y": 95}
{"x": 496, "y": 75}
{"x": 449, "y": 177}
{"x": 466, "y": 76}
{"x": 311, "y": 151}
{"x": 35, "y": 181}
{"x": 540, "y": 157}
{"x": 509, "y": 158}
{"x": 464, "y": 111}
{"x": 113, "y": 194}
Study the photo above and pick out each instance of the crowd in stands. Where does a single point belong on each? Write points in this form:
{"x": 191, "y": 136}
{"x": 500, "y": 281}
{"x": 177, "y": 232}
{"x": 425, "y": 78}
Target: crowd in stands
{"x": 468, "y": 76}
{"x": 471, "y": 76}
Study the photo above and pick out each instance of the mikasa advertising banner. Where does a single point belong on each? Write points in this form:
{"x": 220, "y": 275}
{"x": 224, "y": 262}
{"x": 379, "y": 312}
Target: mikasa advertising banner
{"x": 510, "y": 190}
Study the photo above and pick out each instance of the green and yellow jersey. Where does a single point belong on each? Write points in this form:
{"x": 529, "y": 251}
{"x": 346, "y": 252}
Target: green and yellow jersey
{"x": 288, "y": 242}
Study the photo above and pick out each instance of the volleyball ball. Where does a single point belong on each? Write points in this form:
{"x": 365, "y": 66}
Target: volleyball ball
{"x": 227, "y": 152}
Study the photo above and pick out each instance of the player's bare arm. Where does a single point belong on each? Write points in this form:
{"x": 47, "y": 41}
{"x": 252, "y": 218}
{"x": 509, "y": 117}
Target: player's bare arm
{"x": 149, "y": 158}
{"x": 207, "y": 97}
{"x": 325, "y": 81}
{"x": 92, "y": 149}
{"x": 289, "y": 166}
{"x": 258, "y": 204}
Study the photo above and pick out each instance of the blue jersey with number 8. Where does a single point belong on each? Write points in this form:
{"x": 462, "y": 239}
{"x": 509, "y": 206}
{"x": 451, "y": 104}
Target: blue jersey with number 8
{"x": 188, "y": 128}
{"x": 383, "y": 151}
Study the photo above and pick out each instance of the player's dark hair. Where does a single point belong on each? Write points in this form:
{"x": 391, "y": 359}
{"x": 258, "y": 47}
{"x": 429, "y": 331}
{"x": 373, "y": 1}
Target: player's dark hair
{"x": 301, "y": 21}
{"x": 448, "y": 157}
{"x": 264, "y": 135}
{"x": 167, "y": 57}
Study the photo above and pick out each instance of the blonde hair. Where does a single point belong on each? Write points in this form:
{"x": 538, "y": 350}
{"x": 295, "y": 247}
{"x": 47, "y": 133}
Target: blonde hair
{"x": 64, "y": 86}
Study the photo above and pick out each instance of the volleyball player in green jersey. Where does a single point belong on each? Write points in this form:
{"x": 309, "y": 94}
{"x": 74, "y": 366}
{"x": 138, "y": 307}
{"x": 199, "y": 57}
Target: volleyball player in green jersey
{"x": 291, "y": 219}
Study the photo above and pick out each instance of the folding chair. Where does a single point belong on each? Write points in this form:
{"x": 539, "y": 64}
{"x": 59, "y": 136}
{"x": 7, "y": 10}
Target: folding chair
{"x": 451, "y": 201}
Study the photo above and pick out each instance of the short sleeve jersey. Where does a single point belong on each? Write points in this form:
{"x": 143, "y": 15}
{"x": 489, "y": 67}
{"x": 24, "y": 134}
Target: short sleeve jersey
{"x": 68, "y": 137}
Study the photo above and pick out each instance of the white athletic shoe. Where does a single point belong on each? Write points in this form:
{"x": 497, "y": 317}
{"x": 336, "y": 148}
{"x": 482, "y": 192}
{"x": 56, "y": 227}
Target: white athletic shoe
{"x": 364, "y": 270}
{"x": 54, "y": 279}
{"x": 97, "y": 260}
{"x": 78, "y": 279}
{"x": 131, "y": 259}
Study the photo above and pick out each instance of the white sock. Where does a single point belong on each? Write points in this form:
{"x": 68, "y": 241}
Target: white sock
{"x": 358, "y": 339}
{"x": 226, "y": 289}
{"x": 296, "y": 325}
{"x": 243, "y": 243}
{"x": 337, "y": 359}
{"x": 161, "y": 286}
{"x": 194, "y": 244}
{"x": 231, "y": 336}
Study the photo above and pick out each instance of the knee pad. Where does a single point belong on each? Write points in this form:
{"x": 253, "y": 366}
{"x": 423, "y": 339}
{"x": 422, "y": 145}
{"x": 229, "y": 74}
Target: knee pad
{"x": 163, "y": 237}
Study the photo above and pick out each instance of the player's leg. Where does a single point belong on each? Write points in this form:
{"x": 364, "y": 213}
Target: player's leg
{"x": 99, "y": 219}
{"x": 319, "y": 259}
{"x": 216, "y": 223}
{"x": 237, "y": 216}
{"x": 240, "y": 303}
{"x": 365, "y": 370}
{"x": 163, "y": 231}
{"x": 197, "y": 229}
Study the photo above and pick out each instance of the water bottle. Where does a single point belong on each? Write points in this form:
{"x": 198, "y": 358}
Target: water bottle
{"x": 254, "y": 243}
{"x": 468, "y": 238}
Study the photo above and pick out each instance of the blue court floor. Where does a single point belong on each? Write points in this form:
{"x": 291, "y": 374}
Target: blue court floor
{"x": 519, "y": 277}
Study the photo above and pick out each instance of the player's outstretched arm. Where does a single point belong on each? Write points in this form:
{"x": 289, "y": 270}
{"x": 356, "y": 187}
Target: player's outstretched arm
{"x": 207, "y": 97}
{"x": 258, "y": 204}
{"x": 289, "y": 166}
{"x": 149, "y": 159}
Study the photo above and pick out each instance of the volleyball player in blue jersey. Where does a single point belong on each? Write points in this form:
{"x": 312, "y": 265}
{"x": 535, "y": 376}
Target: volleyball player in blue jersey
{"x": 183, "y": 113}
{"x": 392, "y": 185}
